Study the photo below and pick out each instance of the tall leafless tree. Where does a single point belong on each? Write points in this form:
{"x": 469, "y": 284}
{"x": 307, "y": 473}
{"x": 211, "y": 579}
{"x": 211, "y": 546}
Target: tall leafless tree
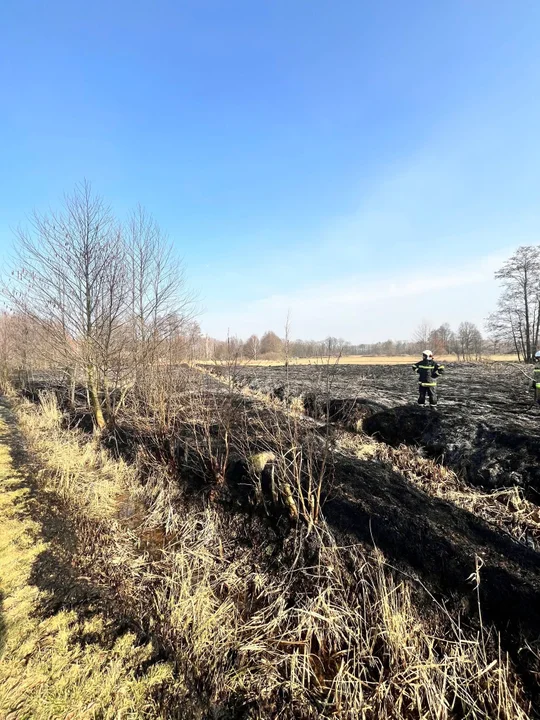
{"x": 422, "y": 334}
{"x": 271, "y": 343}
{"x": 441, "y": 340}
{"x": 251, "y": 347}
{"x": 64, "y": 281}
{"x": 517, "y": 319}
{"x": 105, "y": 298}
{"x": 161, "y": 306}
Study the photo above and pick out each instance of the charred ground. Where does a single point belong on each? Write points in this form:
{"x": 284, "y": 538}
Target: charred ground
{"x": 380, "y": 455}
{"x": 485, "y": 428}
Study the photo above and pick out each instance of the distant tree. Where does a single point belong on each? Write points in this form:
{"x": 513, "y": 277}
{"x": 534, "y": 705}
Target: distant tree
{"x": 387, "y": 348}
{"x": 422, "y": 334}
{"x": 219, "y": 349}
{"x": 21, "y": 347}
{"x": 505, "y": 327}
{"x": 446, "y": 335}
{"x": 333, "y": 345}
{"x": 441, "y": 339}
{"x": 235, "y": 347}
{"x": 183, "y": 340}
{"x": 252, "y": 347}
{"x": 470, "y": 341}
{"x": 517, "y": 318}
{"x": 298, "y": 348}
{"x": 270, "y": 343}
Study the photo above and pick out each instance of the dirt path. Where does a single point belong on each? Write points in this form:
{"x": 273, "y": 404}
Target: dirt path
{"x": 58, "y": 658}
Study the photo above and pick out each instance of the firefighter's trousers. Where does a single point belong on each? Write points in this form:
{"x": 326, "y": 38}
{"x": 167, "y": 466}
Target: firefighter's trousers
{"x": 429, "y": 389}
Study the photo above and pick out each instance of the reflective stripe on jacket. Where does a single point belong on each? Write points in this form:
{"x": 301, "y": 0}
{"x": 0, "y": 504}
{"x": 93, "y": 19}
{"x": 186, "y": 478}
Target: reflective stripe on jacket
{"x": 427, "y": 371}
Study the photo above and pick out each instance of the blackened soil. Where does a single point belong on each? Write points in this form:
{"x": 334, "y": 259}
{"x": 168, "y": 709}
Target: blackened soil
{"x": 443, "y": 544}
{"x": 486, "y": 426}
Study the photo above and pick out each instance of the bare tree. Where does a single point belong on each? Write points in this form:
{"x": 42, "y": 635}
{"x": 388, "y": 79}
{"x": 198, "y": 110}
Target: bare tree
{"x": 332, "y": 346}
{"x": 251, "y": 347}
{"x": 505, "y": 327}
{"x": 287, "y": 339}
{"x": 271, "y": 343}
{"x": 21, "y": 344}
{"x": 422, "y": 334}
{"x": 518, "y": 316}
{"x": 470, "y": 341}
{"x": 161, "y": 306}
{"x": 67, "y": 263}
{"x": 104, "y": 300}
{"x": 441, "y": 339}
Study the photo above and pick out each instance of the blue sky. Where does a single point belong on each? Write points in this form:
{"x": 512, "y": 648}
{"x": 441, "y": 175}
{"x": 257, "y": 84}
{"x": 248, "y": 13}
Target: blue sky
{"x": 365, "y": 165}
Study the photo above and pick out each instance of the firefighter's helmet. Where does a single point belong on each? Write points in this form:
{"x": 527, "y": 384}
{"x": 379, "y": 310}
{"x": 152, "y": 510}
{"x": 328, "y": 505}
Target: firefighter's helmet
{"x": 427, "y": 354}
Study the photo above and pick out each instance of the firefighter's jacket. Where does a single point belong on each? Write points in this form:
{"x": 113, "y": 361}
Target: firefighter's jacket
{"x": 536, "y": 376}
{"x": 428, "y": 372}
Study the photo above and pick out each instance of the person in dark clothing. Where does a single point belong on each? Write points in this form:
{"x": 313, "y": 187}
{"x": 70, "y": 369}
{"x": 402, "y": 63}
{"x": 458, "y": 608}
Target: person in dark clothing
{"x": 536, "y": 377}
{"x": 428, "y": 372}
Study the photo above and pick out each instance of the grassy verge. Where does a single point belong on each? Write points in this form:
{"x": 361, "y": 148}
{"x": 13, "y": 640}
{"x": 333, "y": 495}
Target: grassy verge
{"x": 58, "y": 662}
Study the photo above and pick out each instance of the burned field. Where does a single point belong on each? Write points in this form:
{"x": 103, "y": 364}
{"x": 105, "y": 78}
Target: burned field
{"x": 451, "y": 494}
{"x": 308, "y": 476}
{"x": 485, "y": 427}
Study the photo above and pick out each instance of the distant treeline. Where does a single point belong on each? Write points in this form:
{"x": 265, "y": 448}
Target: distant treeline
{"x": 466, "y": 343}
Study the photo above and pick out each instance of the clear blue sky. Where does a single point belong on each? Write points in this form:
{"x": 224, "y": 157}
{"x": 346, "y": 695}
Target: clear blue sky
{"x": 364, "y": 164}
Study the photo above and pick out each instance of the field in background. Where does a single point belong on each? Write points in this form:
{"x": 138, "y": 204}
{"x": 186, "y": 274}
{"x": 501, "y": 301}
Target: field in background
{"x": 359, "y": 360}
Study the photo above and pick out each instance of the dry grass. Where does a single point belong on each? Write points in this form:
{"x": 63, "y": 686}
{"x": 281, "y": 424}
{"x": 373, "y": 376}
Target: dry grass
{"x": 46, "y": 671}
{"x": 257, "y": 631}
{"x": 71, "y": 460}
{"x": 346, "y": 648}
{"x": 356, "y": 360}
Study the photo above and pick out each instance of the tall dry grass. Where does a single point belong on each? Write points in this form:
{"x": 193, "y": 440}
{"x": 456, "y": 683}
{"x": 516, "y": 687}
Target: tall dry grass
{"x": 59, "y": 664}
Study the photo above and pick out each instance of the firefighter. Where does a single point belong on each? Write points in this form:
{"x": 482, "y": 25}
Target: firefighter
{"x": 428, "y": 372}
{"x": 536, "y": 377}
